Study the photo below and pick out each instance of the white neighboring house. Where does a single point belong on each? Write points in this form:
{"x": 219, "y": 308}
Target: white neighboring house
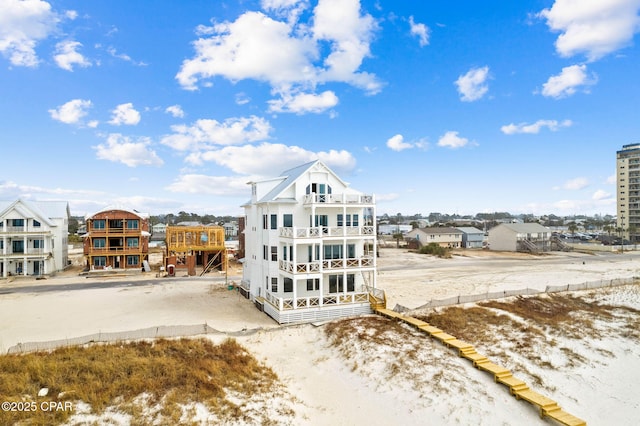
{"x": 443, "y": 236}
{"x": 310, "y": 251}
{"x": 33, "y": 237}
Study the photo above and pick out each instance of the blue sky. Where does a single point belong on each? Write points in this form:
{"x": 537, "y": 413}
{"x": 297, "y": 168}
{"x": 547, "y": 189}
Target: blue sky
{"x": 170, "y": 106}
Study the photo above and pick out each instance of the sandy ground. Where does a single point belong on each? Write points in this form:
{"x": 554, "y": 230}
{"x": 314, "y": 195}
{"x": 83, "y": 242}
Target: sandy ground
{"x": 328, "y": 389}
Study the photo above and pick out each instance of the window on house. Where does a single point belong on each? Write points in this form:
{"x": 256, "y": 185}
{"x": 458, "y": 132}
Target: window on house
{"x": 132, "y": 242}
{"x": 100, "y": 261}
{"x": 333, "y": 251}
{"x": 99, "y": 224}
{"x": 115, "y": 223}
{"x": 264, "y": 221}
{"x": 274, "y": 253}
{"x": 284, "y": 253}
{"x": 321, "y": 220}
{"x": 355, "y": 221}
{"x": 36, "y": 224}
{"x": 336, "y": 283}
{"x": 274, "y": 285}
{"x": 132, "y": 223}
{"x": 340, "y": 220}
{"x": 265, "y": 252}
{"x": 17, "y": 222}
{"x": 133, "y": 260}
{"x": 38, "y": 244}
{"x": 288, "y": 285}
{"x": 313, "y": 284}
{"x": 99, "y": 242}
{"x": 274, "y": 221}
{"x": 17, "y": 246}
{"x": 287, "y": 220}
{"x": 351, "y": 282}
{"x": 351, "y": 251}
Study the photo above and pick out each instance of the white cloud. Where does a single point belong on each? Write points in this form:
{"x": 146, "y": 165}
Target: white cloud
{"x": 268, "y": 159}
{"x": 452, "y": 140}
{"x": 207, "y": 133}
{"x": 125, "y": 114}
{"x": 534, "y": 128}
{"x": 66, "y": 55}
{"x": 211, "y": 185}
{"x": 397, "y": 143}
{"x": 292, "y": 56}
{"x": 290, "y": 9}
{"x": 121, "y": 149}
{"x": 71, "y": 14}
{"x": 71, "y": 112}
{"x": 612, "y": 180}
{"x": 473, "y": 85}
{"x": 113, "y": 52}
{"x": 566, "y": 83}
{"x": 242, "y": 98}
{"x": 302, "y": 103}
{"x": 601, "y": 194}
{"x": 595, "y": 28}
{"x": 385, "y": 198}
{"x": 576, "y": 184}
{"x": 22, "y": 25}
{"x": 175, "y": 110}
{"x": 419, "y": 30}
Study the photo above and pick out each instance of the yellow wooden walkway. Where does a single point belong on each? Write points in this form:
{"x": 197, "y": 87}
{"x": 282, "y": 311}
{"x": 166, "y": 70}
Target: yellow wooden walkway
{"x": 517, "y": 388}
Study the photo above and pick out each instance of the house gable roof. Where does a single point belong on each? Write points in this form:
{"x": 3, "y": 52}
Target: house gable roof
{"x": 288, "y": 177}
{"x": 525, "y": 228}
{"x": 43, "y": 211}
{"x": 440, "y": 230}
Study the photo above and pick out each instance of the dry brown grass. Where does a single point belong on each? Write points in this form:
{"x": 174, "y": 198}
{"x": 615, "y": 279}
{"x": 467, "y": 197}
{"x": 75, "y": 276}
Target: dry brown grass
{"x": 169, "y": 372}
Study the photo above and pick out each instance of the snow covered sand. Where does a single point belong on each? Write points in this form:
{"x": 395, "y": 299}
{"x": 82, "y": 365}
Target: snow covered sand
{"x": 386, "y": 373}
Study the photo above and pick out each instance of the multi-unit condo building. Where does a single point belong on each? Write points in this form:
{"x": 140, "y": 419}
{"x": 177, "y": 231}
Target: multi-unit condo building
{"x": 33, "y": 237}
{"x": 309, "y": 246}
{"x": 116, "y": 239}
{"x": 628, "y": 194}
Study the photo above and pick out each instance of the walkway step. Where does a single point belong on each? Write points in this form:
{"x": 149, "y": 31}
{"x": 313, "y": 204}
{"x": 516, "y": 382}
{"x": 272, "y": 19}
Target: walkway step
{"x": 517, "y": 388}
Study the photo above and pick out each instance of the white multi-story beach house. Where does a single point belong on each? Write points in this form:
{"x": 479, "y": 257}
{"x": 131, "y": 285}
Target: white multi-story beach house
{"x": 310, "y": 246}
{"x": 33, "y": 237}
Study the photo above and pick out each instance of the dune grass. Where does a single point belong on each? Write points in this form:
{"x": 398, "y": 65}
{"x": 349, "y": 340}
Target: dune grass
{"x": 168, "y": 373}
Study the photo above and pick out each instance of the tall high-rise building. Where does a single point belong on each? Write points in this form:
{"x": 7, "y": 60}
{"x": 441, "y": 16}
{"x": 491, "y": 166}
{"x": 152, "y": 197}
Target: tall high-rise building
{"x": 628, "y": 193}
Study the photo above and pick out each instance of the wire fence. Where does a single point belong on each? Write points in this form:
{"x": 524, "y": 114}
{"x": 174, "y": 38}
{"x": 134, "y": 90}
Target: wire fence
{"x": 457, "y": 300}
{"x": 165, "y": 331}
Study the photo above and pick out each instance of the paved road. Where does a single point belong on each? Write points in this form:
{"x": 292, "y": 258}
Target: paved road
{"x": 116, "y": 282}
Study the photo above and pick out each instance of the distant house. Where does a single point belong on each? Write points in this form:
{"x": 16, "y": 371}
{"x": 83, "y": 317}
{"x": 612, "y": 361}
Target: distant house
{"x": 33, "y": 237}
{"x": 524, "y": 237}
{"x": 230, "y": 229}
{"x": 471, "y": 237}
{"x": 390, "y": 229}
{"x": 159, "y": 228}
{"x": 443, "y": 236}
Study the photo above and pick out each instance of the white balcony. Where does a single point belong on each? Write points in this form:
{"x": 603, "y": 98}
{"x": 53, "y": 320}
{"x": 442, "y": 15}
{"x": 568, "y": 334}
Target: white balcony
{"x": 325, "y": 265}
{"x": 284, "y": 303}
{"x": 327, "y": 231}
{"x": 339, "y": 199}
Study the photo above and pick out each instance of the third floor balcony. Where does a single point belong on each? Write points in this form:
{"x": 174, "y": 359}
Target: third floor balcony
{"x": 327, "y": 231}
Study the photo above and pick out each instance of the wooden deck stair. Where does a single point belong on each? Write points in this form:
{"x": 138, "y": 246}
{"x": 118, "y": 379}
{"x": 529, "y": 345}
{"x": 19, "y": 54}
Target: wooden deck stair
{"x": 519, "y": 389}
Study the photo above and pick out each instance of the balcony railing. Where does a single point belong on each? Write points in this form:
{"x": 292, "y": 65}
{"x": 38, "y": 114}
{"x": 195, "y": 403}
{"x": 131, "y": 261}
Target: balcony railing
{"x": 325, "y": 265}
{"x": 338, "y": 199}
{"x": 27, "y": 252}
{"x": 285, "y": 304}
{"x": 327, "y": 231}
